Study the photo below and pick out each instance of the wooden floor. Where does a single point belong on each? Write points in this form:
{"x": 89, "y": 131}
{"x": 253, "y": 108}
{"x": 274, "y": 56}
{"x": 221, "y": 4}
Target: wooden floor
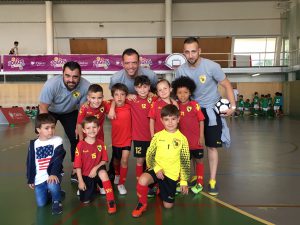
{"x": 259, "y": 175}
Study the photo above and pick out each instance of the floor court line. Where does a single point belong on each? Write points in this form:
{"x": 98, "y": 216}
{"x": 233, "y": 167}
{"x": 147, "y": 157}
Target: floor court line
{"x": 237, "y": 209}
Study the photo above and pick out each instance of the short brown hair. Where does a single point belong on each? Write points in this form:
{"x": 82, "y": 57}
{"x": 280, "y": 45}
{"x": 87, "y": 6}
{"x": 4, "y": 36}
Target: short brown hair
{"x": 43, "y": 118}
{"x": 119, "y": 86}
{"x": 169, "y": 110}
{"x": 90, "y": 119}
{"x": 94, "y": 88}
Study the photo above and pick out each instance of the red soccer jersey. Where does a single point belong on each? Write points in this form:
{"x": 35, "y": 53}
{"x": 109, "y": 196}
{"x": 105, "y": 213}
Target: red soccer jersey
{"x": 121, "y": 127}
{"x": 99, "y": 113}
{"x": 140, "y": 121}
{"x": 190, "y": 116}
{"x": 87, "y": 156}
{"x": 154, "y": 113}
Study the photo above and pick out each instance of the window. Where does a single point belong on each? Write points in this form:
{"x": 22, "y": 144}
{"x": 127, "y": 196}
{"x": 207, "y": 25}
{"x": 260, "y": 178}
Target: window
{"x": 261, "y": 50}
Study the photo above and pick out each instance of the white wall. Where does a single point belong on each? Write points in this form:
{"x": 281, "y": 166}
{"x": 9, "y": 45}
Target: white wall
{"x": 132, "y": 25}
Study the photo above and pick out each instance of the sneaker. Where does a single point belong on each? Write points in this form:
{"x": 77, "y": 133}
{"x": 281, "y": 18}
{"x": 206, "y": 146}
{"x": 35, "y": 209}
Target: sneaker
{"x": 138, "y": 211}
{"x": 212, "y": 188}
{"x": 102, "y": 191}
{"x": 56, "y": 208}
{"x": 197, "y": 188}
{"x": 122, "y": 190}
{"x": 152, "y": 192}
{"x": 78, "y": 192}
{"x": 178, "y": 190}
{"x": 117, "y": 179}
{"x": 74, "y": 178}
{"x": 111, "y": 207}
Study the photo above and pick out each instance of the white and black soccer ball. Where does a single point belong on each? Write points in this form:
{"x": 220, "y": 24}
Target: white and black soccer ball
{"x": 222, "y": 105}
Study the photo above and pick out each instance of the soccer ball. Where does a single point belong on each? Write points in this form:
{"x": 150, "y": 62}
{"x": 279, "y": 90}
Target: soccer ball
{"x": 222, "y": 105}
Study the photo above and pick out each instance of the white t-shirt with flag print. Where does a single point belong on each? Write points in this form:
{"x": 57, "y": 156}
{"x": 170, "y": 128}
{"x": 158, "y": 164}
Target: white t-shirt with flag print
{"x": 44, "y": 151}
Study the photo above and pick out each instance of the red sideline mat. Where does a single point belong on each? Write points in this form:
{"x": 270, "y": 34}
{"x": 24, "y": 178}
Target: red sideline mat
{"x": 14, "y": 115}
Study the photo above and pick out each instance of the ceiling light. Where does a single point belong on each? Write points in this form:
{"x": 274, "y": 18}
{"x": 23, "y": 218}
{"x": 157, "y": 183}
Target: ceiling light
{"x": 255, "y": 74}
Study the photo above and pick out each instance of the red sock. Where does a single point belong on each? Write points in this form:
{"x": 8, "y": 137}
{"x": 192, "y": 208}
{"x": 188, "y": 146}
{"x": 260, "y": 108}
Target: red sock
{"x": 117, "y": 169}
{"x": 123, "y": 175}
{"x": 200, "y": 173}
{"x": 142, "y": 192}
{"x": 139, "y": 171}
{"x": 108, "y": 190}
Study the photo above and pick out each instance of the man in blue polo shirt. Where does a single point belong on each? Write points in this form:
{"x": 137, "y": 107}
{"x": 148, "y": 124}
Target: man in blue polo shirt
{"x": 61, "y": 96}
{"x": 132, "y": 68}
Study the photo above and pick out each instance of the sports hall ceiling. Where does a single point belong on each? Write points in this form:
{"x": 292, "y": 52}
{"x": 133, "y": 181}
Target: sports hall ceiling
{"x": 117, "y": 1}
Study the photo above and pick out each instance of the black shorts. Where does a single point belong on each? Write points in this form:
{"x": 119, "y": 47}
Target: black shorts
{"x": 91, "y": 187}
{"x": 166, "y": 186}
{"x": 212, "y": 134}
{"x": 117, "y": 151}
{"x": 197, "y": 153}
{"x": 140, "y": 148}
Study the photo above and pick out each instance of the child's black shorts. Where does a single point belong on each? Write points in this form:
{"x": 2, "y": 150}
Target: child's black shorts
{"x": 117, "y": 151}
{"x": 197, "y": 153}
{"x": 167, "y": 187}
{"x": 140, "y": 148}
{"x": 91, "y": 187}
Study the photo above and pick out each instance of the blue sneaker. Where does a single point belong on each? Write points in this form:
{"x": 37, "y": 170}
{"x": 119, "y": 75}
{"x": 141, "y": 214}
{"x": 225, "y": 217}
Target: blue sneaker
{"x": 56, "y": 208}
{"x": 212, "y": 188}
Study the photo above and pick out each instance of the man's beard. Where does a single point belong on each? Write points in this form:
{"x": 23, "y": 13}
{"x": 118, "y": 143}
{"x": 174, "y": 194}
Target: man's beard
{"x": 71, "y": 89}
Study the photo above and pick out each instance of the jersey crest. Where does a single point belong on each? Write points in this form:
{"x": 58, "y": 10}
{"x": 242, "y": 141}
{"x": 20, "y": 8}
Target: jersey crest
{"x": 189, "y": 108}
{"x": 149, "y": 100}
{"x": 176, "y": 143}
{"x": 202, "y": 79}
{"x": 99, "y": 147}
{"x": 76, "y": 94}
{"x": 102, "y": 109}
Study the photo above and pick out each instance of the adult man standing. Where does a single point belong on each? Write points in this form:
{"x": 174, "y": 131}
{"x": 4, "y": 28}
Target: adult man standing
{"x": 61, "y": 96}
{"x": 207, "y": 75}
{"x": 132, "y": 68}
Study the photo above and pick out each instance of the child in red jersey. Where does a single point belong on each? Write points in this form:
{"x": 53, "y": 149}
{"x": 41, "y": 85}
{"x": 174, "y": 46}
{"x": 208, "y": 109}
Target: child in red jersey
{"x": 163, "y": 91}
{"x": 191, "y": 124}
{"x": 121, "y": 135}
{"x": 95, "y": 107}
{"x": 90, "y": 160}
{"x": 140, "y": 107}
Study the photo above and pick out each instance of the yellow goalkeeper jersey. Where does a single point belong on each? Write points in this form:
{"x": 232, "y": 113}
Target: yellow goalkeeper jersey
{"x": 170, "y": 152}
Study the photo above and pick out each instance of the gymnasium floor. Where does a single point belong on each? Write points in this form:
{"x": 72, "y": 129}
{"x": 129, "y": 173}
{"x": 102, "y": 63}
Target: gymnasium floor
{"x": 259, "y": 175}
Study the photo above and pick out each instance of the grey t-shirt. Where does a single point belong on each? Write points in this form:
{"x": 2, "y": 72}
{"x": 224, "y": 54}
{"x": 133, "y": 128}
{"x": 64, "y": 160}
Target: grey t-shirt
{"x": 122, "y": 77}
{"x": 60, "y": 99}
{"x": 206, "y": 75}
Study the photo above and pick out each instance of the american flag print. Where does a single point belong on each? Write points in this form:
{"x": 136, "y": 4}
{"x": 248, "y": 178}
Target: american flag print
{"x": 44, "y": 155}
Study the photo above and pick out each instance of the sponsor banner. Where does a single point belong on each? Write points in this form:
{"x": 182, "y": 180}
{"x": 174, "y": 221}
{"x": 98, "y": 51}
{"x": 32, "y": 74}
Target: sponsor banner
{"x": 13, "y": 63}
{"x": 14, "y": 115}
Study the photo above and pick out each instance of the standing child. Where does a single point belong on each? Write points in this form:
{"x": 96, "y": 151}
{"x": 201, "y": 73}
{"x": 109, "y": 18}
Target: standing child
{"x": 191, "y": 124}
{"x": 241, "y": 105}
{"x": 95, "y": 107}
{"x": 121, "y": 135}
{"x": 277, "y": 103}
{"x": 167, "y": 158}
{"x": 90, "y": 160}
{"x": 140, "y": 121}
{"x": 163, "y": 91}
{"x": 45, "y": 163}
{"x": 256, "y": 104}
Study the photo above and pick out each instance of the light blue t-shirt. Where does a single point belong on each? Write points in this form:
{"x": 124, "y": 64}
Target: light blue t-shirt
{"x": 122, "y": 77}
{"x": 60, "y": 99}
{"x": 206, "y": 75}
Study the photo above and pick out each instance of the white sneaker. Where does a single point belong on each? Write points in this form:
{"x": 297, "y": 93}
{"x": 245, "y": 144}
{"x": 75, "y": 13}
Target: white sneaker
{"x": 122, "y": 190}
{"x": 78, "y": 193}
{"x": 117, "y": 179}
{"x": 102, "y": 191}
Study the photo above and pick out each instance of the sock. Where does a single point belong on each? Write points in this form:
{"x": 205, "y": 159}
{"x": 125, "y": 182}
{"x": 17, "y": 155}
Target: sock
{"x": 108, "y": 190}
{"x": 139, "y": 171}
{"x": 123, "y": 175}
{"x": 200, "y": 173}
{"x": 117, "y": 169}
{"x": 142, "y": 192}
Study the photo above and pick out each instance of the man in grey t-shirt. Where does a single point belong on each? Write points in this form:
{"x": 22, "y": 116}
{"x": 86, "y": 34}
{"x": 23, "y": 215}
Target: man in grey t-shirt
{"x": 132, "y": 68}
{"x": 207, "y": 75}
{"x": 61, "y": 96}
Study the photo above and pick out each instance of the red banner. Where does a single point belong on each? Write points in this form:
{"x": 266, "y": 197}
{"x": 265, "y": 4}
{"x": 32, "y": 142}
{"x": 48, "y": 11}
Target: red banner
{"x": 14, "y": 115}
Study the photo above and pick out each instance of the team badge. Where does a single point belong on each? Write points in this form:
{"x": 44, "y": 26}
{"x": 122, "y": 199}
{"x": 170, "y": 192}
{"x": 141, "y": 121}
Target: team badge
{"x": 102, "y": 109}
{"x": 176, "y": 143}
{"x": 99, "y": 147}
{"x": 189, "y": 108}
{"x": 76, "y": 94}
{"x": 149, "y": 100}
{"x": 202, "y": 79}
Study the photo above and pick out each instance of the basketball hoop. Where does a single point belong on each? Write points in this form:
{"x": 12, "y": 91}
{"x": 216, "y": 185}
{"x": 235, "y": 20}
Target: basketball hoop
{"x": 173, "y": 61}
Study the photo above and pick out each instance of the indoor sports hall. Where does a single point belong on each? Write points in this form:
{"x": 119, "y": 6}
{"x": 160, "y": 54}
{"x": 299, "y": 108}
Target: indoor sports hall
{"x": 256, "y": 43}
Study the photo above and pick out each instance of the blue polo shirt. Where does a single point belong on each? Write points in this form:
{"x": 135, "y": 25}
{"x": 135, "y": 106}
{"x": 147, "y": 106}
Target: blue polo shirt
{"x": 122, "y": 77}
{"x": 60, "y": 99}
